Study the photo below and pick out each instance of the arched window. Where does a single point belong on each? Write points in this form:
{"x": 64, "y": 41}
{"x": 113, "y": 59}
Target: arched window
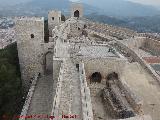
{"x": 96, "y": 77}
{"x": 52, "y": 18}
{"x": 32, "y": 35}
{"x": 76, "y": 13}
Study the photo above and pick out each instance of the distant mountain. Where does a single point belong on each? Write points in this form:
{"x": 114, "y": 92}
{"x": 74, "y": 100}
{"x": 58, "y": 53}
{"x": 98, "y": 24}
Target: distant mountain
{"x": 106, "y": 19}
{"x": 41, "y": 8}
{"x": 115, "y": 12}
{"x": 116, "y": 8}
{"x": 122, "y": 8}
{"x": 140, "y": 24}
{"x": 63, "y": 5}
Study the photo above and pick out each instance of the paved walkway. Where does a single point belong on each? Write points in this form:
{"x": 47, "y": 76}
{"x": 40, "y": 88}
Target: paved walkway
{"x": 41, "y": 102}
{"x": 70, "y": 101}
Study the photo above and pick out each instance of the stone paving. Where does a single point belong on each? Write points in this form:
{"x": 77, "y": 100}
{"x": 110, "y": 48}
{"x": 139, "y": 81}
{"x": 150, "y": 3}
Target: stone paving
{"x": 41, "y": 102}
{"x": 96, "y": 52}
{"x": 70, "y": 101}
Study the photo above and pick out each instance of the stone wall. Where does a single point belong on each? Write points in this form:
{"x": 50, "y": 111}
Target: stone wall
{"x": 87, "y": 112}
{"x": 136, "y": 42}
{"x": 114, "y": 31}
{"x": 142, "y": 117}
{"x": 54, "y": 19}
{"x": 56, "y": 101}
{"x": 76, "y": 28}
{"x": 78, "y": 7}
{"x": 140, "y": 60}
{"x": 28, "y": 98}
{"x": 134, "y": 100}
{"x": 104, "y": 66}
{"x": 152, "y": 45}
{"x": 29, "y": 36}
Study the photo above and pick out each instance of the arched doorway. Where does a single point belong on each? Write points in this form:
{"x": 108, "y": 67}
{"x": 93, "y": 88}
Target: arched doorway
{"x": 96, "y": 77}
{"x": 48, "y": 62}
{"x": 112, "y": 76}
{"x": 76, "y": 13}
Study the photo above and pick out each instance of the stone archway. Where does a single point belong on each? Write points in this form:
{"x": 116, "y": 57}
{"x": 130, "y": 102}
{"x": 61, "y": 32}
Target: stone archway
{"x": 48, "y": 62}
{"x": 112, "y": 76}
{"x": 76, "y": 13}
{"x": 96, "y": 77}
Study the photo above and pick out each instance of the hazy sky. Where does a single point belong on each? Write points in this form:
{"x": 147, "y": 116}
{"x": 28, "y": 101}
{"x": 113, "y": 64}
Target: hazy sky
{"x": 148, "y": 2}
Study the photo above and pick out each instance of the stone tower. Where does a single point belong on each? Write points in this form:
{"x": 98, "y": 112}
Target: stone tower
{"x": 30, "y": 38}
{"x": 54, "y": 19}
{"x": 76, "y": 10}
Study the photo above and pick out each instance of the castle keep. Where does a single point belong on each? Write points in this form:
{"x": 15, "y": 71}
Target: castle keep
{"x": 87, "y": 70}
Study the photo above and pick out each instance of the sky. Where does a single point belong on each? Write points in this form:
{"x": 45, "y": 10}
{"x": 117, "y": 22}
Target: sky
{"x": 147, "y": 2}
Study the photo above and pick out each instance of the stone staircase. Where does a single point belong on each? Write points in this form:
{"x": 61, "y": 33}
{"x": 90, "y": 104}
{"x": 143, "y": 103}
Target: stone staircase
{"x": 70, "y": 101}
{"x": 42, "y": 97}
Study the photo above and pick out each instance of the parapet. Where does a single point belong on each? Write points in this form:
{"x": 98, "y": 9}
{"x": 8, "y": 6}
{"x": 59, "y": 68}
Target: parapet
{"x": 29, "y": 18}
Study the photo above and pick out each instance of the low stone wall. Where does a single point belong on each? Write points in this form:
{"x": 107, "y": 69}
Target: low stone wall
{"x": 134, "y": 100}
{"x": 56, "y": 101}
{"x": 29, "y": 98}
{"x": 139, "y": 60}
{"x": 143, "y": 117}
{"x": 104, "y": 66}
{"x": 87, "y": 112}
{"x": 153, "y": 45}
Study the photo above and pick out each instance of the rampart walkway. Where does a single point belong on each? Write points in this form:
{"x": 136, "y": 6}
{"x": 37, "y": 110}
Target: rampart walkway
{"x": 41, "y": 102}
{"x": 70, "y": 100}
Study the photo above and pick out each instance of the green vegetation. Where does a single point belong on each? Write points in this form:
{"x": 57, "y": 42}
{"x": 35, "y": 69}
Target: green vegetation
{"x": 10, "y": 82}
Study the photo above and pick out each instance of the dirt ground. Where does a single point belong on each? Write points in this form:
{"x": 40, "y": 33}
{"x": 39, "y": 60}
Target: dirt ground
{"x": 144, "y": 86}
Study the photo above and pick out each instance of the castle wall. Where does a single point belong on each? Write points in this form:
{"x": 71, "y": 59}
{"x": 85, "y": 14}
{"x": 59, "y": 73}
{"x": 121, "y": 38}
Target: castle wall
{"x": 54, "y": 19}
{"x": 104, "y": 66}
{"x": 152, "y": 45}
{"x": 29, "y": 97}
{"x": 76, "y": 28}
{"x": 134, "y": 42}
{"x": 58, "y": 82}
{"x": 85, "y": 95}
{"x": 140, "y": 60}
{"x": 29, "y": 35}
{"x": 78, "y": 7}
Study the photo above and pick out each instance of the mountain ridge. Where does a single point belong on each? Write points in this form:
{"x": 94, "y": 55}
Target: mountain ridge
{"x": 116, "y": 8}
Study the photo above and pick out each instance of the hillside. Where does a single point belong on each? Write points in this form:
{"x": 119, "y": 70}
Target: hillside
{"x": 11, "y": 87}
{"x": 140, "y": 24}
{"x": 122, "y": 8}
{"x": 116, "y": 8}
